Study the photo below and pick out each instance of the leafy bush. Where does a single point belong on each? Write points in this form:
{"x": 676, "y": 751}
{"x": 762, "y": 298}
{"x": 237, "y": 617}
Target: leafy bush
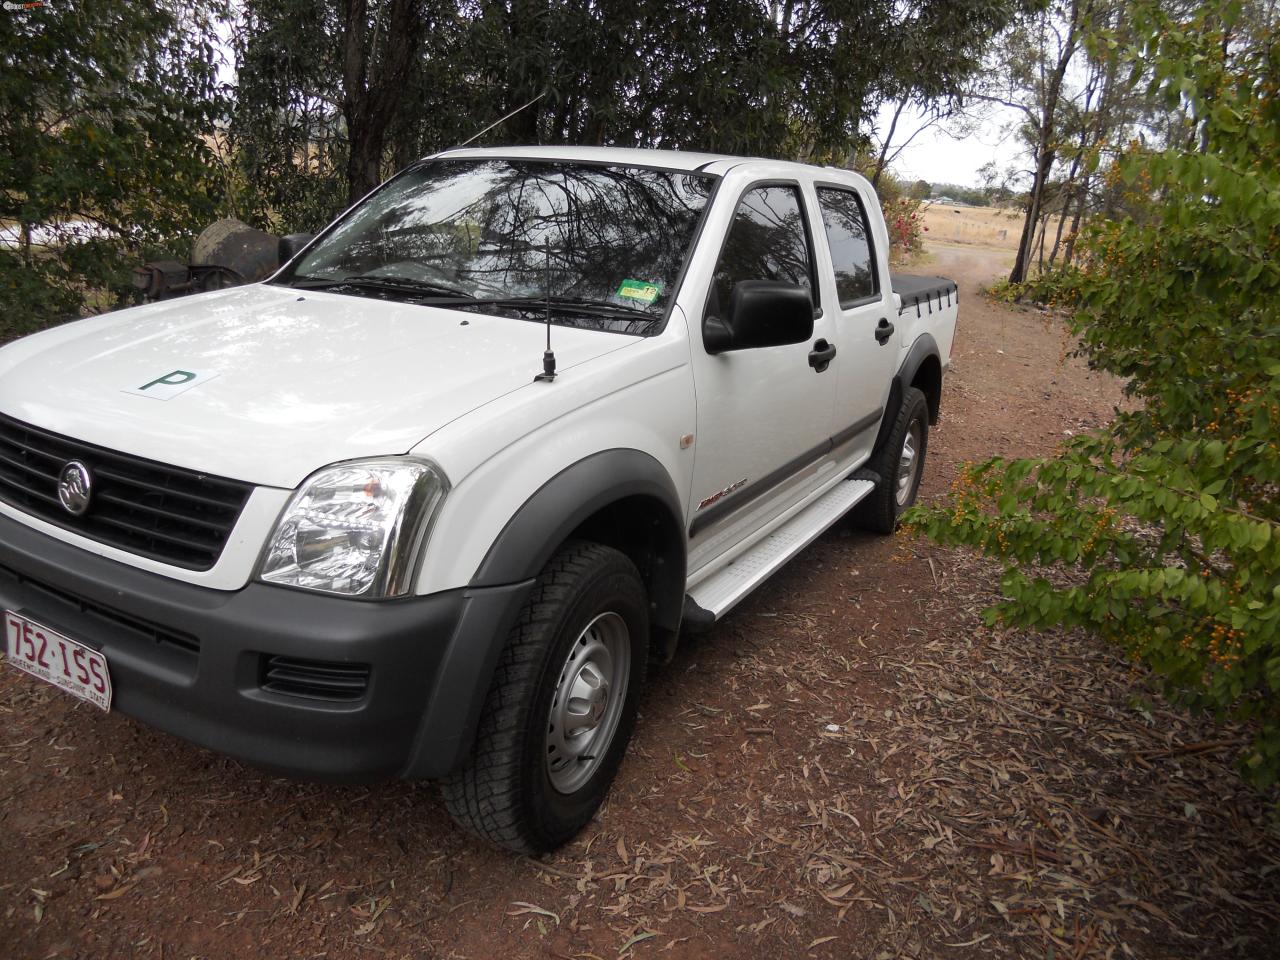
{"x": 102, "y": 158}
{"x": 1163, "y": 534}
{"x": 1006, "y": 291}
{"x": 906, "y": 226}
{"x": 1054, "y": 289}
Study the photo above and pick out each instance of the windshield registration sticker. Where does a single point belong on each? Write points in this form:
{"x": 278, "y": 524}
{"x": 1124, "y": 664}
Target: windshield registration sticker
{"x": 646, "y": 293}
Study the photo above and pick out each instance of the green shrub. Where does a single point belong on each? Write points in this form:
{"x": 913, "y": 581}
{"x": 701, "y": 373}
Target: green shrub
{"x": 1058, "y": 288}
{"x": 103, "y": 158}
{"x": 1162, "y": 534}
{"x": 906, "y": 225}
{"x": 1006, "y": 291}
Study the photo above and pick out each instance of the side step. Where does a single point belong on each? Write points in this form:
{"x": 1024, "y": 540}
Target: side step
{"x": 721, "y": 592}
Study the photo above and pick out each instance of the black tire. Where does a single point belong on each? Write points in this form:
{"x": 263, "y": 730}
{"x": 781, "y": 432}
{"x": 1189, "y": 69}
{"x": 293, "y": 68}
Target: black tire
{"x": 881, "y": 511}
{"x": 505, "y": 792}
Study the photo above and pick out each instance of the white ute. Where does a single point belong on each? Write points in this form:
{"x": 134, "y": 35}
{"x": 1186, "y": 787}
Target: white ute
{"x": 428, "y": 501}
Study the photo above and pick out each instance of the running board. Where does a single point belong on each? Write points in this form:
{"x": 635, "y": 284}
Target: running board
{"x": 721, "y": 592}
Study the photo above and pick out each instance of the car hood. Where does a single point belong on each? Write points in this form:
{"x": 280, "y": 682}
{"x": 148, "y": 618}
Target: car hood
{"x": 283, "y": 381}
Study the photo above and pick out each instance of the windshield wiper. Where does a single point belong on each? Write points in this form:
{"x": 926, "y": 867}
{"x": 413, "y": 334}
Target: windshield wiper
{"x": 377, "y": 282}
{"x": 443, "y": 295}
{"x": 568, "y": 304}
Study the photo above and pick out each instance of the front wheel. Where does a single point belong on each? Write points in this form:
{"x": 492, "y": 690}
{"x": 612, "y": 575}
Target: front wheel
{"x": 900, "y": 465}
{"x": 561, "y": 705}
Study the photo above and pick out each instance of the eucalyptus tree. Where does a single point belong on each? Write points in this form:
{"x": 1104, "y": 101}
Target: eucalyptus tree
{"x": 333, "y": 94}
{"x": 106, "y": 116}
{"x": 1160, "y": 532}
{"x": 1029, "y": 74}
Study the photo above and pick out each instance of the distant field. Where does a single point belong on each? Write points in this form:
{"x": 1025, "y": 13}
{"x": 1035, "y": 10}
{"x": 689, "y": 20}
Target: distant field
{"x": 988, "y": 226}
{"x": 997, "y": 227}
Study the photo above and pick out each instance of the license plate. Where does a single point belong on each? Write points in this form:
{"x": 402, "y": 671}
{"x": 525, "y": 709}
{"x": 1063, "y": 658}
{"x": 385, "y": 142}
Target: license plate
{"x": 66, "y": 663}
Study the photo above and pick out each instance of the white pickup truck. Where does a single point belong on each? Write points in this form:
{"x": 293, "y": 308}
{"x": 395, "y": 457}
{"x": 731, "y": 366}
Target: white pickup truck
{"x": 428, "y": 501}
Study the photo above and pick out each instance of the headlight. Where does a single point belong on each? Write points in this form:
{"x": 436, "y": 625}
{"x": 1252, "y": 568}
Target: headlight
{"x": 356, "y": 528}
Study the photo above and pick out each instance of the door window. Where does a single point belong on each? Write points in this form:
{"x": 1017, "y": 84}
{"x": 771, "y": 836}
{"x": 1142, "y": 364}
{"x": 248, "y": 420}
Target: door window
{"x": 767, "y": 241}
{"x": 849, "y": 237}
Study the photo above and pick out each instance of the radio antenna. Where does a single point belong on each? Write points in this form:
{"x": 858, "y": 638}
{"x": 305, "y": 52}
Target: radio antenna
{"x": 548, "y": 358}
{"x": 502, "y": 120}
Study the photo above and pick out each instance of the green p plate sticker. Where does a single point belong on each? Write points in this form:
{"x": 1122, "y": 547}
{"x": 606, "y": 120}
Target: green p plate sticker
{"x": 646, "y": 293}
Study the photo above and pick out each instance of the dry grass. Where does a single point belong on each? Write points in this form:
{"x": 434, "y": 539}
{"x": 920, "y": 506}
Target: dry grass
{"x": 997, "y": 227}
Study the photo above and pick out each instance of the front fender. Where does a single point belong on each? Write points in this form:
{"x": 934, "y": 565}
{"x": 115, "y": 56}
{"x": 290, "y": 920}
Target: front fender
{"x": 505, "y": 578}
{"x": 561, "y": 505}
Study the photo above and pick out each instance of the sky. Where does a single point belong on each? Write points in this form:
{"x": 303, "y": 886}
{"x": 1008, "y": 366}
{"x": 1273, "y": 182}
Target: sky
{"x": 939, "y": 157}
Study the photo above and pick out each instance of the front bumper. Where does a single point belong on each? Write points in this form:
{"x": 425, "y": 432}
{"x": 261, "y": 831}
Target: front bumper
{"x": 191, "y": 660}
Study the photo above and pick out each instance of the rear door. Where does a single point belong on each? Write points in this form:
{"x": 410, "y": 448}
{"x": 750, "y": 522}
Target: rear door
{"x": 861, "y": 306}
{"x": 764, "y": 414}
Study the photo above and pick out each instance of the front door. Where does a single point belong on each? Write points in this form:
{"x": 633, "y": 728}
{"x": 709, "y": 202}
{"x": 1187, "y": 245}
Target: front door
{"x": 764, "y": 414}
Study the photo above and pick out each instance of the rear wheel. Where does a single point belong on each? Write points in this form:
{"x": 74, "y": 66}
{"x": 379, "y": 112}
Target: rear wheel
{"x": 900, "y": 466}
{"x": 561, "y": 706}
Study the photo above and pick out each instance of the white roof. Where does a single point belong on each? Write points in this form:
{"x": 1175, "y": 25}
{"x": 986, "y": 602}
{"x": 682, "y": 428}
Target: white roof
{"x": 626, "y": 156}
{"x": 718, "y": 164}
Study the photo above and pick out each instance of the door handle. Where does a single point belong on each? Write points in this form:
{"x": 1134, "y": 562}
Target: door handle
{"x": 821, "y": 355}
{"x": 884, "y": 330}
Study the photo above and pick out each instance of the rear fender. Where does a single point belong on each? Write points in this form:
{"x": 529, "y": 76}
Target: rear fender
{"x": 923, "y": 348}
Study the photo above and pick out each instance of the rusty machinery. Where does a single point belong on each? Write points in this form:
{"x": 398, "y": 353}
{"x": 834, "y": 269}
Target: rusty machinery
{"x": 226, "y": 254}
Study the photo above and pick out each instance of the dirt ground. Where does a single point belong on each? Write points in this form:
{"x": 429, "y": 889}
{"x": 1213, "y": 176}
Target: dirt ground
{"x": 849, "y": 765}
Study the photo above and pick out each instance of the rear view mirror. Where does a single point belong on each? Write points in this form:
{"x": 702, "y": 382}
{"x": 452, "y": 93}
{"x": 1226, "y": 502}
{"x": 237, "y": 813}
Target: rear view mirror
{"x": 762, "y": 313}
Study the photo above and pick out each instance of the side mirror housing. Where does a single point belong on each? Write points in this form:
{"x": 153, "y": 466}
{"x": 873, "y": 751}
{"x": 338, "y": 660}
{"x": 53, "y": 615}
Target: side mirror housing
{"x": 762, "y": 313}
{"x": 290, "y": 245}
{"x": 717, "y": 335}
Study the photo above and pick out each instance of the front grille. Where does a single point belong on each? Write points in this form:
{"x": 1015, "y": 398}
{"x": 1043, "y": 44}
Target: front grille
{"x": 314, "y": 679}
{"x": 166, "y": 513}
{"x": 63, "y": 600}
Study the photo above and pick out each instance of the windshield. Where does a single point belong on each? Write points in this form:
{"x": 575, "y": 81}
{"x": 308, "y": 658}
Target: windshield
{"x": 603, "y": 244}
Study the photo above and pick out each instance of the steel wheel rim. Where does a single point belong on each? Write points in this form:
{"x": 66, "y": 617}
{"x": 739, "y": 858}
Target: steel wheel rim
{"x": 587, "y": 704}
{"x": 909, "y": 463}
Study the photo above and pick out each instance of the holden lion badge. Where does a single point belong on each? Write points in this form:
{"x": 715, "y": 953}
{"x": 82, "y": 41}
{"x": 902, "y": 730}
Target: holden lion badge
{"x": 75, "y": 487}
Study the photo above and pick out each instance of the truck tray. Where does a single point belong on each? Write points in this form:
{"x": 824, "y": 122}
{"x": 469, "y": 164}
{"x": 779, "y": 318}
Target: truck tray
{"x": 921, "y": 292}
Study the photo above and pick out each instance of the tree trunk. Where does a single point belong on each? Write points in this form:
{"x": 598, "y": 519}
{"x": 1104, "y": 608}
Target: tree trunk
{"x": 405, "y": 148}
{"x": 884, "y": 149}
{"x": 1045, "y": 153}
{"x": 1044, "y": 229}
{"x": 1026, "y": 243}
{"x": 372, "y": 84}
{"x": 1068, "y": 252}
{"x": 1057, "y": 234}
{"x": 1068, "y": 194}
{"x": 364, "y": 159}
{"x": 1102, "y": 129}
{"x": 525, "y": 76}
